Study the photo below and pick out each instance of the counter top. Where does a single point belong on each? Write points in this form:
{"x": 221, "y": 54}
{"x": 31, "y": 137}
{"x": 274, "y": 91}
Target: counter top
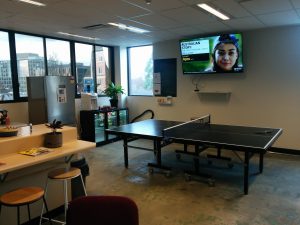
{"x": 39, "y": 129}
{"x": 11, "y": 160}
{"x": 26, "y": 139}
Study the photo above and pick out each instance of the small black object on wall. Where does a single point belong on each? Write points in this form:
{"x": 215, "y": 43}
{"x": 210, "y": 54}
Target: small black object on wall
{"x": 168, "y": 76}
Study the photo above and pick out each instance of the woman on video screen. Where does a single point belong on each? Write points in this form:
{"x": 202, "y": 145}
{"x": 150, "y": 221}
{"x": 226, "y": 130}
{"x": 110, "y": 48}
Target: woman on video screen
{"x": 225, "y": 54}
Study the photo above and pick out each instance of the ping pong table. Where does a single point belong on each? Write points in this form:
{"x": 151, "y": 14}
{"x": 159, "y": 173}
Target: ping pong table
{"x": 245, "y": 139}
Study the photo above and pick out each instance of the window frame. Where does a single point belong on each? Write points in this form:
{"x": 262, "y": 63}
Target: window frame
{"x": 14, "y": 69}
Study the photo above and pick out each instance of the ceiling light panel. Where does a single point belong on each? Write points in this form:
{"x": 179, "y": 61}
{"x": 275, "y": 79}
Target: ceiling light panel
{"x": 32, "y": 2}
{"x": 129, "y": 28}
{"x": 213, "y": 11}
{"x": 78, "y": 36}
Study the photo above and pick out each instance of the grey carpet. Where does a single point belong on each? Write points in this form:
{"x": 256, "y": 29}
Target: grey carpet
{"x": 273, "y": 199}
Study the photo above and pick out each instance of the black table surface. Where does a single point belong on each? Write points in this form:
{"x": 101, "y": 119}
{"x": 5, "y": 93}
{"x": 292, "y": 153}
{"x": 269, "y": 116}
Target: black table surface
{"x": 216, "y": 134}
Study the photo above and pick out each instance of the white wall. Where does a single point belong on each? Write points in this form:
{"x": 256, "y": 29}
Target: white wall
{"x": 17, "y": 111}
{"x": 266, "y": 94}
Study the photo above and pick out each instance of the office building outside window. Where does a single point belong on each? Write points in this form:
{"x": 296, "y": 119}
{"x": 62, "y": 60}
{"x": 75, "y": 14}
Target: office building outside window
{"x": 84, "y": 67}
{"x": 140, "y": 70}
{"x": 30, "y": 59}
{"x": 93, "y": 69}
{"x": 58, "y": 57}
{"x": 103, "y": 68}
{"x": 6, "y": 88}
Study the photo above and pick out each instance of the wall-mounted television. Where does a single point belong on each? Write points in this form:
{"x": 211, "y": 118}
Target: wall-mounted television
{"x": 212, "y": 54}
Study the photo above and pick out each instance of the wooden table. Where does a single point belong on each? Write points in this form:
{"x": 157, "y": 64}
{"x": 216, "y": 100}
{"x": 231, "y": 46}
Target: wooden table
{"x": 11, "y": 160}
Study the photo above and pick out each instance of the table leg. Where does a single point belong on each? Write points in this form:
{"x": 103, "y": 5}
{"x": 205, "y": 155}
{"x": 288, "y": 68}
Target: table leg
{"x": 158, "y": 152}
{"x": 196, "y": 159}
{"x": 158, "y": 163}
{"x": 261, "y": 162}
{"x": 125, "y": 145}
{"x": 246, "y": 172}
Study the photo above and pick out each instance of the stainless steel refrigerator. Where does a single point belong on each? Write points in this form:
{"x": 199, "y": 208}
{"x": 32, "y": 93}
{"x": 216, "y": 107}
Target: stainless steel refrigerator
{"x": 51, "y": 97}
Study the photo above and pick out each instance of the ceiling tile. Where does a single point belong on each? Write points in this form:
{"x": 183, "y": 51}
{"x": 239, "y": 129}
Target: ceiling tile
{"x": 231, "y": 7}
{"x": 125, "y": 9}
{"x": 258, "y": 7}
{"x": 280, "y": 18}
{"x": 191, "y": 2}
{"x": 189, "y": 16}
{"x": 157, "y": 6}
{"x": 5, "y": 15}
{"x": 157, "y": 21}
{"x": 84, "y": 12}
{"x": 245, "y": 23}
{"x": 165, "y": 35}
{"x": 111, "y": 7}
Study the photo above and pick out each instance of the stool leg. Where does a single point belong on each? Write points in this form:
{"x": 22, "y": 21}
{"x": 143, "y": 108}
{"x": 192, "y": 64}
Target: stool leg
{"x": 46, "y": 188}
{"x": 66, "y": 197}
{"x": 83, "y": 185}
{"x": 28, "y": 210}
{"x": 18, "y": 210}
{"x": 46, "y": 206}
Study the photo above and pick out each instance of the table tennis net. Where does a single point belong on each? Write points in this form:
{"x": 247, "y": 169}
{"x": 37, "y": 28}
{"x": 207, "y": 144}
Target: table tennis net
{"x": 202, "y": 120}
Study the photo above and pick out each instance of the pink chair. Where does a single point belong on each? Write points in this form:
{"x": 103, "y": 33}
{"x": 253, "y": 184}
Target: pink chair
{"x": 102, "y": 210}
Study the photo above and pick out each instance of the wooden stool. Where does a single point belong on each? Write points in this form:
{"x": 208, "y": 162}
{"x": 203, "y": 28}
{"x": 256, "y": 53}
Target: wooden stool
{"x": 63, "y": 174}
{"x": 23, "y": 196}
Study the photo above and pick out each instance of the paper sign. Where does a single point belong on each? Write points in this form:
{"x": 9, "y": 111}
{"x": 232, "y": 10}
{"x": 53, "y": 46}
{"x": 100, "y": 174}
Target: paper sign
{"x": 156, "y": 78}
{"x": 156, "y": 89}
{"x": 61, "y": 95}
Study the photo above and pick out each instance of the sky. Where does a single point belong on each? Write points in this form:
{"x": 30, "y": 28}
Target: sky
{"x": 139, "y": 58}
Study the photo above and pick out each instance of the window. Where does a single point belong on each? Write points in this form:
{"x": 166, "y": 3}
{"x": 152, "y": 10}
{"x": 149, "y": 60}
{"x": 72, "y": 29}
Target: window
{"x": 84, "y": 67}
{"x": 103, "y": 67}
{"x": 6, "y": 88}
{"x": 140, "y": 70}
{"x": 91, "y": 64}
{"x": 30, "y": 59}
{"x": 58, "y": 57}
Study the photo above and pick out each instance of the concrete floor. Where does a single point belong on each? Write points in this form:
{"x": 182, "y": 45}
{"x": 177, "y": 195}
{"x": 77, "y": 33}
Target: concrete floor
{"x": 273, "y": 199}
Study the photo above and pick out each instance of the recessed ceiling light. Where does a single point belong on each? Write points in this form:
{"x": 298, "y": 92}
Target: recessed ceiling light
{"x": 76, "y": 35}
{"x": 32, "y": 2}
{"x": 129, "y": 28}
{"x": 213, "y": 11}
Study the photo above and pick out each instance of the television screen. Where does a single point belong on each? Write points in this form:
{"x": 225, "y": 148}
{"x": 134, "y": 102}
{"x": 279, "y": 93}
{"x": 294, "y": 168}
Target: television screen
{"x": 213, "y": 54}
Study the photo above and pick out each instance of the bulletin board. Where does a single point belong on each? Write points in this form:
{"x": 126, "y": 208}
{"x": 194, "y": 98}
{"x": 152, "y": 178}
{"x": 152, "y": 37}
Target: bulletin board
{"x": 165, "y": 77}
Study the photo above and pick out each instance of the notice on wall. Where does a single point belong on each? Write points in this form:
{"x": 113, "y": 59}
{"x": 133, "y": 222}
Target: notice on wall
{"x": 156, "y": 84}
{"x": 157, "y": 89}
{"x": 62, "y": 94}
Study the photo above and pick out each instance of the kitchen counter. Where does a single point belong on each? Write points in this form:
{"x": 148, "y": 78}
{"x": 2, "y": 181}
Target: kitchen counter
{"x": 11, "y": 160}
